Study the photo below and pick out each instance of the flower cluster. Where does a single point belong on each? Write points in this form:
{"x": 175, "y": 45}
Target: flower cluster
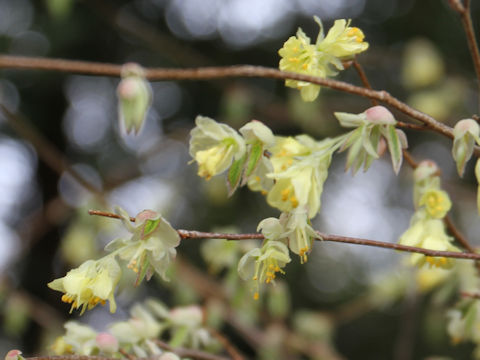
{"x": 321, "y": 59}
{"x": 137, "y": 336}
{"x": 290, "y": 172}
{"x": 427, "y": 229}
{"x": 151, "y": 248}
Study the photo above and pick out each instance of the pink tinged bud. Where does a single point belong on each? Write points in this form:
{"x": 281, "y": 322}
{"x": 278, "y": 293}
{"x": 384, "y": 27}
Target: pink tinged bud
{"x": 425, "y": 169}
{"x": 14, "y": 355}
{"x": 107, "y": 342}
{"x": 464, "y": 126}
{"x": 145, "y": 215}
{"x": 128, "y": 88}
{"x": 381, "y": 147}
{"x": 380, "y": 115}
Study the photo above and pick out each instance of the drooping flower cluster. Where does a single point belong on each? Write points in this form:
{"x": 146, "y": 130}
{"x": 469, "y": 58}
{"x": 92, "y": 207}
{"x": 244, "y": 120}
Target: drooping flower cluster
{"x": 262, "y": 264}
{"x": 151, "y": 248}
{"x": 427, "y": 229}
{"x": 322, "y": 59}
{"x": 290, "y": 172}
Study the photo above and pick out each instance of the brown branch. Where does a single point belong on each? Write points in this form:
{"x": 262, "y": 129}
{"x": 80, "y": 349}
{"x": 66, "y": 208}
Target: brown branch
{"x": 194, "y": 354}
{"x": 190, "y": 234}
{"x": 91, "y": 68}
{"x": 363, "y": 78}
{"x": 229, "y": 347}
{"x": 462, "y": 240}
{"x": 464, "y": 11}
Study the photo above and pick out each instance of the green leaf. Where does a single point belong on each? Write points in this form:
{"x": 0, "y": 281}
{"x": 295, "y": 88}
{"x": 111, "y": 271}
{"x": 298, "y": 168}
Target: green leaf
{"x": 354, "y": 135}
{"x": 235, "y": 174}
{"x": 149, "y": 227}
{"x": 254, "y": 156}
{"x": 144, "y": 265}
{"x": 179, "y": 336}
{"x": 367, "y": 142}
{"x": 394, "y": 146}
{"x": 353, "y": 153}
{"x": 375, "y": 139}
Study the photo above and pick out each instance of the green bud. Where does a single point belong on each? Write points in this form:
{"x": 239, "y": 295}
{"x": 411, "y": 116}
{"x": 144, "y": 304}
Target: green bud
{"x": 134, "y": 98}
{"x": 466, "y": 133}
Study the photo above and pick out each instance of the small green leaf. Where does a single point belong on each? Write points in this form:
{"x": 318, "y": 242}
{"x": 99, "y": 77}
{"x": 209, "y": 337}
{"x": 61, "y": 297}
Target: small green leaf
{"x": 367, "y": 142}
{"x": 354, "y": 135}
{"x": 254, "y": 156}
{"x": 149, "y": 227}
{"x": 144, "y": 266}
{"x": 235, "y": 174}
{"x": 394, "y": 146}
{"x": 353, "y": 153}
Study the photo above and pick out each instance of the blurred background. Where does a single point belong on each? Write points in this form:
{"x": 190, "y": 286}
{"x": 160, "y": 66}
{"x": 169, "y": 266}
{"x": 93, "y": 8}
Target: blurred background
{"x": 361, "y": 298}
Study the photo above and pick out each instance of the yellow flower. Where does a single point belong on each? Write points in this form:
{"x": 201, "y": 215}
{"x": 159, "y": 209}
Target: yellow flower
{"x": 429, "y": 234}
{"x": 299, "y": 233}
{"x": 214, "y": 146}
{"x": 301, "y": 185}
{"x": 436, "y": 202}
{"x": 343, "y": 41}
{"x": 151, "y": 248}
{"x": 92, "y": 283}
{"x": 300, "y": 56}
{"x": 262, "y": 264}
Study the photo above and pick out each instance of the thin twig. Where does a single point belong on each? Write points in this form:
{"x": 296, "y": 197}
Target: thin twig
{"x": 46, "y": 151}
{"x": 191, "y": 234}
{"x": 227, "y": 344}
{"x": 363, "y": 78}
{"x": 464, "y": 11}
{"x": 194, "y": 354}
{"x": 91, "y": 68}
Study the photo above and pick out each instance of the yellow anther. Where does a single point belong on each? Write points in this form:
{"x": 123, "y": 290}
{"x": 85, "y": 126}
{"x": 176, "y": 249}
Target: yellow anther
{"x": 271, "y": 266}
{"x": 255, "y": 278}
{"x": 352, "y": 31}
{"x": 277, "y": 269}
{"x": 285, "y": 193}
{"x": 304, "y": 66}
{"x": 255, "y": 296}
{"x": 263, "y": 192}
{"x": 294, "y": 201}
{"x": 257, "y": 178}
{"x": 294, "y": 59}
{"x": 268, "y": 280}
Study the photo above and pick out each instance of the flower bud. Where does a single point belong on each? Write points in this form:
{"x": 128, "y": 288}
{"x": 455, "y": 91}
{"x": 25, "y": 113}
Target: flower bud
{"x": 379, "y": 115}
{"x": 107, "y": 343}
{"x": 14, "y": 355}
{"x": 465, "y": 133}
{"x": 425, "y": 170}
{"x": 134, "y": 96}
{"x": 256, "y": 131}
